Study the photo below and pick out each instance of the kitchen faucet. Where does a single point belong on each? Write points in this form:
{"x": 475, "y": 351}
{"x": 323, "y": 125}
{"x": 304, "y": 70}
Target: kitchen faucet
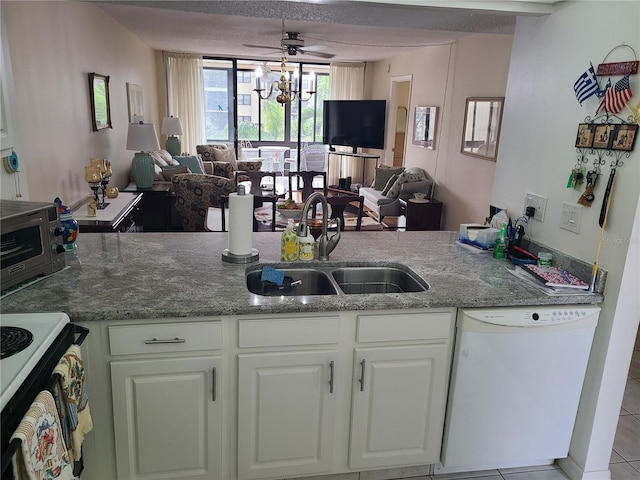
{"x": 325, "y": 244}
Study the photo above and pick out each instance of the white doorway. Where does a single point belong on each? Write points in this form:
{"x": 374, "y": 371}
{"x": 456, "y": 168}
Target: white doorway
{"x": 400, "y": 94}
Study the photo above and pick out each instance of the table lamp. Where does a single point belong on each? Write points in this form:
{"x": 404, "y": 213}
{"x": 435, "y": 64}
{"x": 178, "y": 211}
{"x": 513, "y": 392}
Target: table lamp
{"x": 142, "y": 137}
{"x": 172, "y": 126}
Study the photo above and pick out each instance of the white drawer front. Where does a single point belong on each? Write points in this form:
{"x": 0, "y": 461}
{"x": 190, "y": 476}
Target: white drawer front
{"x": 409, "y": 326}
{"x": 288, "y": 332}
{"x": 167, "y": 337}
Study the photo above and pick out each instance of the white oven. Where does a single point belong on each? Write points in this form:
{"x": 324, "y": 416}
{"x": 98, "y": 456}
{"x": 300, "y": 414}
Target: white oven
{"x": 32, "y": 345}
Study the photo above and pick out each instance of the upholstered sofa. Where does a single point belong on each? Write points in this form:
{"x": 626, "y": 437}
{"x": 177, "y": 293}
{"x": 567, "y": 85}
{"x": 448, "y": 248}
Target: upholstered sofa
{"x": 391, "y": 185}
{"x": 220, "y": 159}
{"x": 204, "y": 162}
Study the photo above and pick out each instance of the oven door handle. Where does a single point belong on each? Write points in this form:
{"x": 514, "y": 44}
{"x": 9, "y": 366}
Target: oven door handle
{"x": 81, "y": 332}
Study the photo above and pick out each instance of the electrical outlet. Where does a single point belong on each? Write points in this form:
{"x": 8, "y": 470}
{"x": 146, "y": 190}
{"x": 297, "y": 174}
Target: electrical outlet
{"x": 571, "y": 217}
{"x": 538, "y": 202}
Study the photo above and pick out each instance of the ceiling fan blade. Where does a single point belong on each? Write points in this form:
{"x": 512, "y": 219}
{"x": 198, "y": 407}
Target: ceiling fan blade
{"x": 316, "y": 54}
{"x": 262, "y": 46}
{"x": 315, "y": 48}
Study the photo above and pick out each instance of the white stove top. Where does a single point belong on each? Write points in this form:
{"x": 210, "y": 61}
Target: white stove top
{"x": 45, "y": 327}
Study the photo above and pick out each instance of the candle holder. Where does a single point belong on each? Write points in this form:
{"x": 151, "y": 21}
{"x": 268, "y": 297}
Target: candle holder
{"x": 98, "y": 174}
{"x": 93, "y": 177}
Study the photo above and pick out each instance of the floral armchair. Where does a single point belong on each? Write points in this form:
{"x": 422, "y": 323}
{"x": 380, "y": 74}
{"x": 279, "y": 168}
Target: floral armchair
{"x": 195, "y": 193}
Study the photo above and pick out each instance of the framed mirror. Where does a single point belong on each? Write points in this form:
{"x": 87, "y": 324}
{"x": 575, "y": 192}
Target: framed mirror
{"x": 135, "y": 103}
{"x": 481, "y": 133}
{"x": 99, "y": 99}
{"x": 424, "y": 126}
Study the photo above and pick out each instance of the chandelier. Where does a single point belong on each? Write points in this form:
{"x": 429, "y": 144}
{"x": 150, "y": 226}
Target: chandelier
{"x": 287, "y": 89}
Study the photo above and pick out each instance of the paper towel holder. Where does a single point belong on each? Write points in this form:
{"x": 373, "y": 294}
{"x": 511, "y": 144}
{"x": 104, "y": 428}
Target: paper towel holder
{"x": 229, "y": 257}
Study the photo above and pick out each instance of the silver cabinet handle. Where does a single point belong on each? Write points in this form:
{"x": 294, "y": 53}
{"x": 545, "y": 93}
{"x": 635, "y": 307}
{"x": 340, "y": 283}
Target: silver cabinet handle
{"x": 361, "y": 380}
{"x": 331, "y": 364}
{"x": 154, "y": 340}
{"x": 213, "y": 389}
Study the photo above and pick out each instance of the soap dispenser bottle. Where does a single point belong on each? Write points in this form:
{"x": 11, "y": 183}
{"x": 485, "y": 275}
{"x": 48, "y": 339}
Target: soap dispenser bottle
{"x": 306, "y": 245}
{"x": 500, "y": 247}
{"x": 289, "y": 243}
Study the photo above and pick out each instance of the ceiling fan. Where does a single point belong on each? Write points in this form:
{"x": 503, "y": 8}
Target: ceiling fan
{"x": 292, "y": 45}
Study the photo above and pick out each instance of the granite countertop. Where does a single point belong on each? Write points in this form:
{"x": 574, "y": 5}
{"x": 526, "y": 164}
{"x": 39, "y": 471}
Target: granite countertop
{"x": 163, "y": 275}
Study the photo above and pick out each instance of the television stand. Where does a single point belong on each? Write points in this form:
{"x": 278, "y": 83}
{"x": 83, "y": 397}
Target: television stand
{"x": 349, "y": 156}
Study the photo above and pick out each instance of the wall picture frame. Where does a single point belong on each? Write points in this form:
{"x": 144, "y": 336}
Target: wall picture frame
{"x": 624, "y": 137}
{"x": 481, "y": 128}
{"x": 603, "y": 136}
{"x": 424, "y": 126}
{"x": 585, "y": 135}
{"x": 99, "y": 100}
{"x": 135, "y": 103}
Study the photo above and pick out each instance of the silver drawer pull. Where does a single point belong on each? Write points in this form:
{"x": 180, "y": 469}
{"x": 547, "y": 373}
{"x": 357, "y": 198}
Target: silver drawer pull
{"x": 331, "y": 364}
{"x": 154, "y": 340}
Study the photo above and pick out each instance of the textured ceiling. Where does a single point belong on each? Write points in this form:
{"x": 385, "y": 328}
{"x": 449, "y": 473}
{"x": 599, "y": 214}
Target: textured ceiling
{"x": 352, "y": 31}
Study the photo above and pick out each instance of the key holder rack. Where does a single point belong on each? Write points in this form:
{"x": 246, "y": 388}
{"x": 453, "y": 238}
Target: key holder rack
{"x": 608, "y": 133}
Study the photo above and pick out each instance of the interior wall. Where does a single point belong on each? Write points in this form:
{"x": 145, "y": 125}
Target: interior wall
{"x": 53, "y": 46}
{"x": 444, "y": 76}
{"x": 536, "y": 155}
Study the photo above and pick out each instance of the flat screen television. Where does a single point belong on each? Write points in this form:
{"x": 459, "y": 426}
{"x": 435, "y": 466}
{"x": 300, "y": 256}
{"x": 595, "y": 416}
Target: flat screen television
{"x": 354, "y": 123}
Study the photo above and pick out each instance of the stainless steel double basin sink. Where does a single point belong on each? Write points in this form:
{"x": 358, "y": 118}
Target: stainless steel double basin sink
{"x": 338, "y": 280}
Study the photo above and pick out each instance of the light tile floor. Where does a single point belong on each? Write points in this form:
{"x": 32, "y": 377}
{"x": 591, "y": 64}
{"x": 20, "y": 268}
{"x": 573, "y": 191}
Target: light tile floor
{"x": 625, "y": 458}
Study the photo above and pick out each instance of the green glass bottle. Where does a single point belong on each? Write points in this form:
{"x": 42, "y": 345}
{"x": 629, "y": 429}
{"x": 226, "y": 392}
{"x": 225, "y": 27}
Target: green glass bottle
{"x": 500, "y": 247}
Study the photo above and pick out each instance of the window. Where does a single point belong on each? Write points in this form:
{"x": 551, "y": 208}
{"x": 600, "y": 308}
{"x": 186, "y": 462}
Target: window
{"x": 218, "y": 103}
{"x": 262, "y": 120}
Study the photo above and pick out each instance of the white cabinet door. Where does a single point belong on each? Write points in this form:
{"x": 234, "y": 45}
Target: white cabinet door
{"x": 397, "y": 405}
{"x": 285, "y": 413}
{"x": 167, "y": 418}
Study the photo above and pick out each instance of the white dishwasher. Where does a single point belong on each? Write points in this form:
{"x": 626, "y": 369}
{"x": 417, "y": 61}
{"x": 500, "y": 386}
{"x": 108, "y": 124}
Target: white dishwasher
{"x": 515, "y": 385}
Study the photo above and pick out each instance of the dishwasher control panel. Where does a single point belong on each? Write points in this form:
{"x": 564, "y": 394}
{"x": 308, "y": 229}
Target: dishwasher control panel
{"x": 532, "y": 316}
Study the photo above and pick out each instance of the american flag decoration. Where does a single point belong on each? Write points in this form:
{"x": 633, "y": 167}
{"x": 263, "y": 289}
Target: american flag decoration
{"x": 616, "y": 97}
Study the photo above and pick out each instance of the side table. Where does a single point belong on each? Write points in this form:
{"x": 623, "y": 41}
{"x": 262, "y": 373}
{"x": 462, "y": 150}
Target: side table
{"x": 423, "y": 214}
{"x": 118, "y": 216}
{"x": 155, "y": 209}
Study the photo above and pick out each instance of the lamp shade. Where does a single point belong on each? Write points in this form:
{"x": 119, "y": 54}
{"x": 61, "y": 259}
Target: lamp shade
{"x": 142, "y": 137}
{"x": 171, "y": 126}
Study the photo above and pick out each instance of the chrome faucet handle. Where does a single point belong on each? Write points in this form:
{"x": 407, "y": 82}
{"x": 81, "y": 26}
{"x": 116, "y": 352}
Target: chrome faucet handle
{"x": 333, "y": 240}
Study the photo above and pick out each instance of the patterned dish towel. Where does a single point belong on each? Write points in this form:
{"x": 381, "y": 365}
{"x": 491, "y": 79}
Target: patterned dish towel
{"x": 73, "y": 401}
{"x": 43, "y": 455}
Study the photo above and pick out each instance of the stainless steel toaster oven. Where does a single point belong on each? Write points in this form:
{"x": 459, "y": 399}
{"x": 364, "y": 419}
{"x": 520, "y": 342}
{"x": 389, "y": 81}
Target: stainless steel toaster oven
{"x": 31, "y": 241}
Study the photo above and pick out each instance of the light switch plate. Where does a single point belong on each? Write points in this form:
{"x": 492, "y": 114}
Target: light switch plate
{"x": 571, "y": 217}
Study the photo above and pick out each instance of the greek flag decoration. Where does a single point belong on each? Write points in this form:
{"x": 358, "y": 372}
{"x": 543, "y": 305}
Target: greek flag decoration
{"x": 586, "y": 85}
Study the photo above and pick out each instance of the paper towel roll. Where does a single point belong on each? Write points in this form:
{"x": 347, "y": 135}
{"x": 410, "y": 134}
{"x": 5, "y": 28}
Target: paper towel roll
{"x": 240, "y": 224}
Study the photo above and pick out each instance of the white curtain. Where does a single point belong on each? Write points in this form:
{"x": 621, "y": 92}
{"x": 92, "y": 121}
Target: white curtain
{"x": 185, "y": 96}
{"x": 347, "y": 83}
